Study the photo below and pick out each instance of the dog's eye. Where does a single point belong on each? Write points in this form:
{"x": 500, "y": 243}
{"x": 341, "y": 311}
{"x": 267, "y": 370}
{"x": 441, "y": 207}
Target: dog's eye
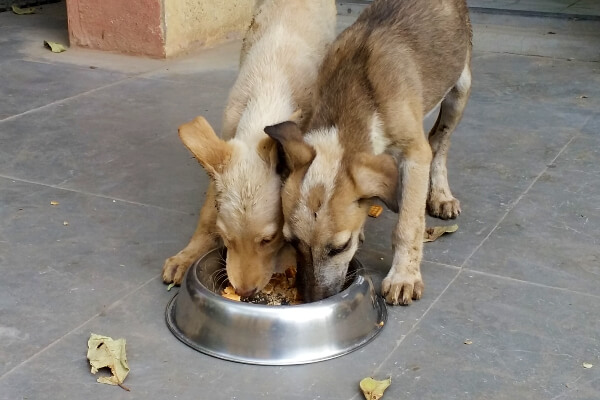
{"x": 337, "y": 250}
{"x": 267, "y": 240}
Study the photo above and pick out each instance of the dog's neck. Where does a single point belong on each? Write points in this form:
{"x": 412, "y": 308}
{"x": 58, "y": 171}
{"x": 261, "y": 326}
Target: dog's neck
{"x": 270, "y": 103}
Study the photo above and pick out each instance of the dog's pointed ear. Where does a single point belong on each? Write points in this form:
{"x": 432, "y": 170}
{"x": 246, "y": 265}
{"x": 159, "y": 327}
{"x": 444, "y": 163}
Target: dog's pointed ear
{"x": 297, "y": 152}
{"x": 376, "y": 176}
{"x": 210, "y": 151}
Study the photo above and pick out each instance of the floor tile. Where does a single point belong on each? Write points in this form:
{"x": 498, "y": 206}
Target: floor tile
{"x": 78, "y": 138}
{"x": 552, "y": 235}
{"x": 162, "y": 367}
{"x": 528, "y": 342}
{"x": 57, "y": 276}
{"x": 26, "y": 85}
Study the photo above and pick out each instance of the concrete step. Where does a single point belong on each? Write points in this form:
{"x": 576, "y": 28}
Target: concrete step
{"x": 566, "y": 36}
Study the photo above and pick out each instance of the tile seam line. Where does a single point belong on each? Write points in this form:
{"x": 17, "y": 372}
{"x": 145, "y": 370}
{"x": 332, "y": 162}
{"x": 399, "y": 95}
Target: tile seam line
{"x": 94, "y": 194}
{"x": 540, "y": 285}
{"x": 399, "y": 343}
{"x": 66, "y": 99}
{"x": 518, "y": 200}
{"x": 56, "y": 341}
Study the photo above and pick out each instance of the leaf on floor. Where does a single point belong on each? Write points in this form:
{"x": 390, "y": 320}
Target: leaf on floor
{"x": 434, "y": 232}
{"x": 373, "y": 389}
{"x": 54, "y": 46}
{"x": 105, "y": 352}
{"x": 22, "y": 11}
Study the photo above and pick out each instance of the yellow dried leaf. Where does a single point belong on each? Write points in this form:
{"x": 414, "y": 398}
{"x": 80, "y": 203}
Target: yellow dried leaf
{"x": 434, "y": 232}
{"x": 373, "y": 389}
{"x": 22, "y": 11}
{"x": 54, "y": 46}
{"x": 105, "y": 352}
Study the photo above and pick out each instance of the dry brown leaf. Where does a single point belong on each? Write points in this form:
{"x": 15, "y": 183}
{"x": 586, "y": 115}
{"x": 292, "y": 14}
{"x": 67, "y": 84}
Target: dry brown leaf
{"x": 105, "y": 352}
{"x": 54, "y": 46}
{"x": 434, "y": 232}
{"x": 22, "y": 11}
{"x": 373, "y": 389}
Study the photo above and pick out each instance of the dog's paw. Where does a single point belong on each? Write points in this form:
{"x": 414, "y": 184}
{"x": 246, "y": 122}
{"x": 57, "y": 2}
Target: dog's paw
{"x": 175, "y": 267}
{"x": 398, "y": 288}
{"x": 443, "y": 207}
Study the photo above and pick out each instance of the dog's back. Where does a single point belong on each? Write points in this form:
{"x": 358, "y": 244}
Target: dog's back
{"x": 428, "y": 41}
{"x": 282, "y": 52}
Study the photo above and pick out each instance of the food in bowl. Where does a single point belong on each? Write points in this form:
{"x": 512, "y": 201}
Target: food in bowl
{"x": 281, "y": 290}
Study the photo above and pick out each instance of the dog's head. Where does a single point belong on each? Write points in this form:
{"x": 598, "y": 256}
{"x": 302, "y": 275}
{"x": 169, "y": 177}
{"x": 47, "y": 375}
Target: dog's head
{"x": 249, "y": 217}
{"x": 325, "y": 202}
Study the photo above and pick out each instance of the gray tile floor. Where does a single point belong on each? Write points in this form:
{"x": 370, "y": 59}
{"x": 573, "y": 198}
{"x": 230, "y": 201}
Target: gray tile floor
{"x": 520, "y": 279}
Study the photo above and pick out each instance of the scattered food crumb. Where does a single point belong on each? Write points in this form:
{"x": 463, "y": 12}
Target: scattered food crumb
{"x": 373, "y": 389}
{"x": 468, "y": 341}
{"x": 65, "y": 223}
{"x": 54, "y": 46}
{"x": 54, "y": 203}
{"x": 93, "y": 67}
{"x": 381, "y": 324}
{"x": 105, "y": 352}
{"x": 170, "y": 286}
{"x": 551, "y": 33}
{"x": 375, "y": 211}
{"x": 281, "y": 290}
{"x": 587, "y": 365}
{"x": 583, "y": 96}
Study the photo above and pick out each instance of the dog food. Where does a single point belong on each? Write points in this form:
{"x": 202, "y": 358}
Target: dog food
{"x": 281, "y": 290}
{"x": 375, "y": 211}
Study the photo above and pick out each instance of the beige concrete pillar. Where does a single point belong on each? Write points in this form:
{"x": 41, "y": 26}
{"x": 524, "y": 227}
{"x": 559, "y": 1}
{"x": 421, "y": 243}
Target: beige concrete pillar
{"x": 155, "y": 28}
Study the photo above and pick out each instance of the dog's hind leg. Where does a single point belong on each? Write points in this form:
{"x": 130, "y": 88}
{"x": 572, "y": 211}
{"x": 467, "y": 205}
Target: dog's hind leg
{"x": 204, "y": 239}
{"x": 440, "y": 202}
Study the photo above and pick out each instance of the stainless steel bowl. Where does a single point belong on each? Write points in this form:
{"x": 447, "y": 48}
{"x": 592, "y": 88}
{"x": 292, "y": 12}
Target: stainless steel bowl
{"x": 272, "y": 335}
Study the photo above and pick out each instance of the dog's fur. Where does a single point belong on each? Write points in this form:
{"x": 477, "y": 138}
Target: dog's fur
{"x": 382, "y": 75}
{"x": 281, "y": 54}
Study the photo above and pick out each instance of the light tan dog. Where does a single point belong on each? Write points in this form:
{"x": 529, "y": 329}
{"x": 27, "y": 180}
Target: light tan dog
{"x": 281, "y": 54}
{"x": 382, "y": 75}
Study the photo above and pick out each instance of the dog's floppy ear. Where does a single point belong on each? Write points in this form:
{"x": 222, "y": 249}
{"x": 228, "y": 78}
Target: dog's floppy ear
{"x": 297, "y": 152}
{"x": 376, "y": 176}
{"x": 210, "y": 151}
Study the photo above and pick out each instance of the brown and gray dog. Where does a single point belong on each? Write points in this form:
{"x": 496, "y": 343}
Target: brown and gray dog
{"x": 365, "y": 140}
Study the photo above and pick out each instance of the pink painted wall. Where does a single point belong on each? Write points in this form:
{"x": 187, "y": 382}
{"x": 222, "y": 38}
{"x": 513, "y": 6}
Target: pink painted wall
{"x": 124, "y": 26}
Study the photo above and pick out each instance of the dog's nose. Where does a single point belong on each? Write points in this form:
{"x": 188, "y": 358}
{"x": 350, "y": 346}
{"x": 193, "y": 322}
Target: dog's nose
{"x": 247, "y": 292}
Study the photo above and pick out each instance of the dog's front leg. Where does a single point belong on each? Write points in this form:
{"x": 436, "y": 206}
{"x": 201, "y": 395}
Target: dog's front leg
{"x": 404, "y": 283}
{"x": 204, "y": 239}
